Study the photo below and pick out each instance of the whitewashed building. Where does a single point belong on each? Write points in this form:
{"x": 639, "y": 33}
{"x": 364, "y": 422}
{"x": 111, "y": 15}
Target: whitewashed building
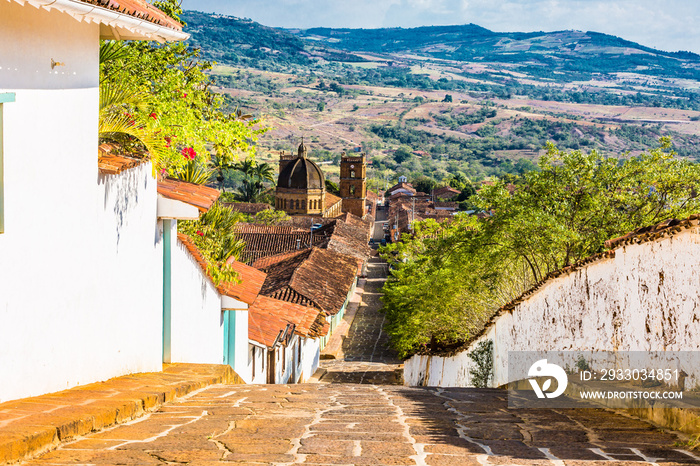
{"x": 285, "y": 340}
{"x": 81, "y": 255}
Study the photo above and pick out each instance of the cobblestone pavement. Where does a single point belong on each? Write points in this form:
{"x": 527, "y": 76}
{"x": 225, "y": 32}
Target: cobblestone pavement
{"x": 370, "y": 425}
{"x": 367, "y": 357}
{"x": 371, "y": 421}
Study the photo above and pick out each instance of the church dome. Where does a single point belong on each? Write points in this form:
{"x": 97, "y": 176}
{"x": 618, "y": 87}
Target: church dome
{"x": 301, "y": 173}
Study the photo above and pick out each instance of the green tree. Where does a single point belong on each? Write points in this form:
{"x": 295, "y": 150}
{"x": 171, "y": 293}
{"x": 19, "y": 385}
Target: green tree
{"x": 256, "y": 174}
{"x": 448, "y": 278}
{"x": 213, "y": 234}
{"x": 332, "y": 188}
{"x": 182, "y": 111}
{"x": 424, "y": 184}
{"x": 403, "y": 154}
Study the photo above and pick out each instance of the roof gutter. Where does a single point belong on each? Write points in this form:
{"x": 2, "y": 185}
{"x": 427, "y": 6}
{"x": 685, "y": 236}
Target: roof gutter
{"x": 92, "y": 13}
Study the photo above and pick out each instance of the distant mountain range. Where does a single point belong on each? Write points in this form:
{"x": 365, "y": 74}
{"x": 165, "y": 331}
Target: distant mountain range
{"x": 560, "y": 55}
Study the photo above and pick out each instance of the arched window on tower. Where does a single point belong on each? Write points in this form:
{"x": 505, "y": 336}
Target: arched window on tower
{"x": 352, "y": 190}
{"x": 303, "y": 205}
{"x": 352, "y": 173}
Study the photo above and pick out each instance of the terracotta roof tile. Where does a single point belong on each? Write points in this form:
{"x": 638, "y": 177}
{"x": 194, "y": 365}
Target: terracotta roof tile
{"x": 446, "y": 192}
{"x": 446, "y": 205}
{"x": 250, "y": 282}
{"x": 263, "y": 241}
{"x": 197, "y": 195}
{"x": 330, "y": 201}
{"x": 397, "y": 186}
{"x": 109, "y": 164}
{"x": 138, "y": 9}
{"x": 247, "y": 207}
{"x": 320, "y": 276}
{"x": 264, "y": 327}
{"x": 268, "y": 261}
{"x": 268, "y": 316}
{"x": 308, "y": 322}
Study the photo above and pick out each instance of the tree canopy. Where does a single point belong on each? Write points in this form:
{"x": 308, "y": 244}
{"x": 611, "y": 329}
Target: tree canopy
{"x": 449, "y": 278}
{"x": 176, "y": 106}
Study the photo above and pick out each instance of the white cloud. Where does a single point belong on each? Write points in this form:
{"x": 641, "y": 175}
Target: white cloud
{"x": 668, "y": 25}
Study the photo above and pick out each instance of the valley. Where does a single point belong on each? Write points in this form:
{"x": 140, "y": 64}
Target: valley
{"x": 445, "y": 100}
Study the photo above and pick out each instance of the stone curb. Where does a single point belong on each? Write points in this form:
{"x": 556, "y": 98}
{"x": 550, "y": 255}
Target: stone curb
{"x": 32, "y": 426}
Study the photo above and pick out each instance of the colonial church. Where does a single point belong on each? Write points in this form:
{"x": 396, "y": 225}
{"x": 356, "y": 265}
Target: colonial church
{"x": 301, "y": 186}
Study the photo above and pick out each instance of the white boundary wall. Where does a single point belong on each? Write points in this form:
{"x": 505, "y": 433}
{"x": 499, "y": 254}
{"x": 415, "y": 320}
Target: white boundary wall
{"x": 645, "y": 298}
{"x": 81, "y": 258}
{"x": 197, "y": 322}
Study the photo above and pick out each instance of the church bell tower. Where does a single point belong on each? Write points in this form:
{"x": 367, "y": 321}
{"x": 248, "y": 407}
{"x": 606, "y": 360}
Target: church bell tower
{"x": 353, "y": 183}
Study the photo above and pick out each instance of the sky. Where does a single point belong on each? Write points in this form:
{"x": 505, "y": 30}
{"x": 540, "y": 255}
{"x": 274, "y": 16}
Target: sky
{"x": 669, "y": 25}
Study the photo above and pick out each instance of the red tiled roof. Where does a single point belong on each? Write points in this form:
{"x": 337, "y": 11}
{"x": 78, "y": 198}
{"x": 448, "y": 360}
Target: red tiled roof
{"x": 109, "y": 164}
{"x": 268, "y": 261}
{"x": 263, "y": 240}
{"x": 197, "y": 195}
{"x": 138, "y": 9}
{"x": 264, "y": 327}
{"x": 248, "y": 288}
{"x": 308, "y": 322}
{"x": 247, "y": 207}
{"x": 406, "y": 186}
{"x": 446, "y": 192}
{"x": 319, "y": 277}
{"x": 446, "y": 205}
{"x": 330, "y": 201}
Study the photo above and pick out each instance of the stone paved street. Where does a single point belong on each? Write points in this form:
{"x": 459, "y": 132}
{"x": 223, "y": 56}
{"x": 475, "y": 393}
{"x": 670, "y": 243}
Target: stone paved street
{"x": 367, "y": 357}
{"x": 358, "y": 415}
{"x": 370, "y": 425}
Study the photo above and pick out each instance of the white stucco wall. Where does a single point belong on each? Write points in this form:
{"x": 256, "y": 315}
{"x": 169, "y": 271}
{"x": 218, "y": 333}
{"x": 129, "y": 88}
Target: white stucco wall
{"x": 80, "y": 267}
{"x": 645, "y": 298}
{"x": 241, "y": 364}
{"x": 261, "y": 358}
{"x": 197, "y": 323}
{"x": 310, "y": 358}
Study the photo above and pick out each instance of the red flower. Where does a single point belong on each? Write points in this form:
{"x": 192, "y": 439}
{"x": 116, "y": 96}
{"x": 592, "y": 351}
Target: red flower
{"x": 188, "y": 153}
{"x": 153, "y": 115}
{"x": 168, "y": 141}
{"x": 199, "y": 232}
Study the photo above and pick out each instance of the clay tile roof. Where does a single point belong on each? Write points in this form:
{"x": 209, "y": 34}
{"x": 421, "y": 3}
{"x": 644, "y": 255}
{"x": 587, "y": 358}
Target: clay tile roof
{"x": 330, "y": 201}
{"x": 269, "y": 261}
{"x": 250, "y": 282}
{"x": 138, "y": 9}
{"x": 109, "y": 164}
{"x": 197, "y": 195}
{"x": 405, "y": 186}
{"x": 446, "y": 192}
{"x": 271, "y": 314}
{"x": 264, "y": 327}
{"x": 316, "y": 277}
{"x": 263, "y": 240}
{"x": 447, "y": 205}
{"x": 247, "y": 207}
